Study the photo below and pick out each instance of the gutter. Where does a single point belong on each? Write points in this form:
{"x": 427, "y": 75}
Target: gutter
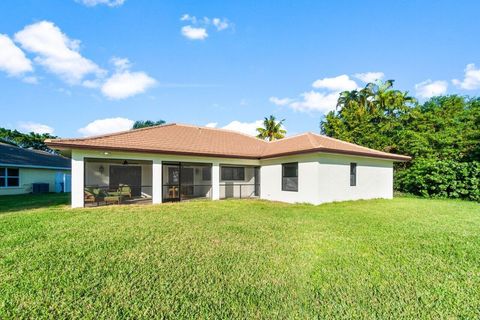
{"x": 32, "y": 166}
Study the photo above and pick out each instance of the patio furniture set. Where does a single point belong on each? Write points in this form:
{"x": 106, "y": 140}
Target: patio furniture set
{"x": 99, "y": 194}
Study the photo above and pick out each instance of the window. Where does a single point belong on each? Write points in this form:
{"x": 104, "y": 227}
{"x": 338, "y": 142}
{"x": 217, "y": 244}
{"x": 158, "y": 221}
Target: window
{"x": 353, "y": 174}
{"x": 233, "y": 173}
{"x": 206, "y": 173}
{"x": 290, "y": 177}
{"x": 9, "y": 177}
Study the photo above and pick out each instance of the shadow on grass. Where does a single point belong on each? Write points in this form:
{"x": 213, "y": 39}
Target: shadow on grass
{"x": 32, "y": 201}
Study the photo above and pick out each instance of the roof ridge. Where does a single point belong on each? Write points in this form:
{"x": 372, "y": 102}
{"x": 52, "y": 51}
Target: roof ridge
{"x": 310, "y": 138}
{"x": 286, "y": 138}
{"x": 99, "y": 136}
{"x": 220, "y": 129}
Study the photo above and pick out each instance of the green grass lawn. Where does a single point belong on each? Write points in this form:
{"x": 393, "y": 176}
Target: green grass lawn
{"x": 403, "y": 258}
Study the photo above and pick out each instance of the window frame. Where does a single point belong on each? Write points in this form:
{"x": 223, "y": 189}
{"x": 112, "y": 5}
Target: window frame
{"x": 207, "y": 170}
{"x": 4, "y": 175}
{"x": 284, "y": 177}
{"x": 353, "y": 174}
{"x": 222, "y": 174}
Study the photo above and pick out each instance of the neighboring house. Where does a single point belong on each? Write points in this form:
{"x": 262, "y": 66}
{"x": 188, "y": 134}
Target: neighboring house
{"x": 180, "y": 162}
{"x": 21, "y": 168}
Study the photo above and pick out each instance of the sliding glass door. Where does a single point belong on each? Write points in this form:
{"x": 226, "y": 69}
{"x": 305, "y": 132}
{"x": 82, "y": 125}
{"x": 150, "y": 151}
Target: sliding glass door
{"x": 171, "y": 182}
{"x": 186, "y": 181}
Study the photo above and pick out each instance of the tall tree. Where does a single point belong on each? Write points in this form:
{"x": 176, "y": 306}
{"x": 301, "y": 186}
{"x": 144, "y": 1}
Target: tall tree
{"x": 147, "y": 123}
{"x": 370, "y": 116}
{"x": 272, "y": 129}
{"x": 443, "y": 128}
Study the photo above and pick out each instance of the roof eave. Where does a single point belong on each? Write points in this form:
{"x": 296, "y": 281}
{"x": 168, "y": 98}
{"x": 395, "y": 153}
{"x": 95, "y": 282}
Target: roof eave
{"x": 64, "y": 146}
{"x": 394, "y": 157}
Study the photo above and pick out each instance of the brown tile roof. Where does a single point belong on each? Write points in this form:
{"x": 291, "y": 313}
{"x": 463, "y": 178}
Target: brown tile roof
{"x": 192, "y": 140}
{"x": 312, "y": 142}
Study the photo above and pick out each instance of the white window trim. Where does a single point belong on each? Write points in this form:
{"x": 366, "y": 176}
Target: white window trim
{"x": 5, "y": 175}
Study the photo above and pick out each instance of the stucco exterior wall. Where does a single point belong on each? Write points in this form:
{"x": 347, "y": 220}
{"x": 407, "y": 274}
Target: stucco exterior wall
{"x": 374, "y": 178}
{"x": 33, "y": 175}
{"x": 326, "y": 178}
{"x": 308, "y": 182}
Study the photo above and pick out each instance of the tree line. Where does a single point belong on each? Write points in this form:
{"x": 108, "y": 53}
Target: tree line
{"x": 442, "y": 135}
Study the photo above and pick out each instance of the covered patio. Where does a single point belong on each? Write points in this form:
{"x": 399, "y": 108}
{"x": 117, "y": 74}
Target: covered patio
{"x": 129, "y": 181}
{"x": 116, "y": 181}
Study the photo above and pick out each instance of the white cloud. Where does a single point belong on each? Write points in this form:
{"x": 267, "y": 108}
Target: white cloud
{"x": 220, "y": 24}
{"x": 429, "y": 88}
{"x": 368, "y": 77}
{"x": 193, "y": 33}
{"x": 197, "y": 29}
{"x": 126, "y": 84}
{"x": 340, "y": 83}
{"x": 249, "y": 128}
{"x": 35, "y": 127}
{"x": 123, "y": 83}
{"x": 211, "y": 125}
{"x": 104, "y": 126}
{"x": 121, "y": 64}
{"x": 471, "y": 80}
{"x": 280, "y": 101}
{"x": 187, "y": 17}
{"x": 12, "y": 59}
{"x": 110, "y": 3}
{"x": 56, "y": 52}
{"x": 316, "y": 101}
{"x": 324, "y": 99}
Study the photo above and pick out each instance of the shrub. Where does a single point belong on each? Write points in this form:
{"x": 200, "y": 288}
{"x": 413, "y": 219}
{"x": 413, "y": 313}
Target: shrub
{"x": 441, "y": 179}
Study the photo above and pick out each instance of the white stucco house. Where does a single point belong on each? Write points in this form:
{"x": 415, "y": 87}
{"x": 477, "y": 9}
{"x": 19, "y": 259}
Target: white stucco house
{"x": 177, "y": 162}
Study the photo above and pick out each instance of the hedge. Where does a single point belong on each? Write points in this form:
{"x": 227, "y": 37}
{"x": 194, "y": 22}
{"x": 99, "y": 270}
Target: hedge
{"x": 441, "y": 179}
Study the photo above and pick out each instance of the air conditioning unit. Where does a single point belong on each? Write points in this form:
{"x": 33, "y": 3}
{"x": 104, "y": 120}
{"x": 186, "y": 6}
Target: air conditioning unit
{"x": 40, "y": 187}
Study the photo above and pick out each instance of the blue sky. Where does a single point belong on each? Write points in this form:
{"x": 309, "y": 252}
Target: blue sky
{"x": 85, "y": 67}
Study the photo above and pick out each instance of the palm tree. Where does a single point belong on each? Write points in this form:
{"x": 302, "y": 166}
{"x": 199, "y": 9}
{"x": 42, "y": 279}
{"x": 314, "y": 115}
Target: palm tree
{"x": 374, "y": 98}
{"x": 272, "y": 130}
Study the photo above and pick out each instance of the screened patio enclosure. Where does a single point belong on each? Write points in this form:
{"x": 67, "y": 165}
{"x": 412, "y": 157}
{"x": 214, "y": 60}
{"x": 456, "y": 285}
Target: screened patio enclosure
{"x": 239, "y": 182}
{"x": 128, "y": 181}
{"x": 115, "y": 181}
{"x": 186, "y": 181}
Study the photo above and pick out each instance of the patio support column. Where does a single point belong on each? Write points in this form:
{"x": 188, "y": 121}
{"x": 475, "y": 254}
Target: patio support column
{"x": 78, "y": 179}
{"x": 215, "y": 181}
{"x": 157, "y": 181}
